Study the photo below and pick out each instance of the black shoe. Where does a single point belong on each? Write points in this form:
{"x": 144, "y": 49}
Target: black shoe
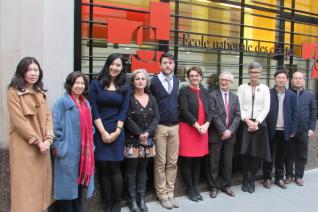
{"x": 251, "y": 187}
{"x": 192, "y": 195}
{"x": 142, "y": 203}
{"x": 197, "y": 193}
{"x": 213, "y": 193}
{"x": 133, "y": 205}
{"x": 245, "y": 186}
{"x": 281, "y": 184}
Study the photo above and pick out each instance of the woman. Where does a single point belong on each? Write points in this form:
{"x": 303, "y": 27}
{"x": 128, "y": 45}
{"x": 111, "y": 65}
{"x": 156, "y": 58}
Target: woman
{"x": 73, "y": 146}
{"x": 109, "y": 98}
{"x": 141, "y": 123}
{"x": 254, "y": 101}
{"x": 195, "y": 118}
{"x": 31, "y": 135}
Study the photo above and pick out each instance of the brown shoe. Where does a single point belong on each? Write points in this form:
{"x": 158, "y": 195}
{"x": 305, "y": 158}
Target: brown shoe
{"x": 288, "y": 180}
{"x": 173, "y": 202}
{"x": 165, "y": 203}
{"x": 267, "y": 184}
{"x": 281, "y": 184}
{"x": 299, "y": 181}
{"x": 228, "y": 191}
{"x": 213, "y": 193}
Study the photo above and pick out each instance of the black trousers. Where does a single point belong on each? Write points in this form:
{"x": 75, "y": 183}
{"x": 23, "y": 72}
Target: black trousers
{"x": 190, "y": 167}
{"x": 297, "y": 153}
{"x": 74, "y": 205}
{"x": 219, "y": 165}
{"x": 250, "y": 166}
{"x": 111, "y": 181}
{"x": 277, "y": 148}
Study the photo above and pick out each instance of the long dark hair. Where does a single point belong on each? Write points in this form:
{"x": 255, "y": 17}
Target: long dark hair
{"x": 18, "y": 81}
{"x": 105, "y": 77}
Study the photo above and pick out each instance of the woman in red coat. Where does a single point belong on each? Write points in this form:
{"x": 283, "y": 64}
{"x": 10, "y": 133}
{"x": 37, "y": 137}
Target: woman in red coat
{"x": 195, "y": 118}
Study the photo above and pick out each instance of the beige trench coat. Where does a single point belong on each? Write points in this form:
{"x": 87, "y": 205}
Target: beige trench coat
{"x": 30, "y": 170}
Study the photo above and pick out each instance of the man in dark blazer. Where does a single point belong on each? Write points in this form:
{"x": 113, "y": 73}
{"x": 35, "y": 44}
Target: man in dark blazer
{"x": 306, "y": 124}
{"x": 222, "y": 136}
{"x": 281, "y": 126}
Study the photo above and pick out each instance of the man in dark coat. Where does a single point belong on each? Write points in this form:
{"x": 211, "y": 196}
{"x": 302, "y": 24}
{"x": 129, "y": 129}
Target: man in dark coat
{"x": 306, "y": 124}
{"x": 222, "y": 136}
{"x": 281, "y": 126}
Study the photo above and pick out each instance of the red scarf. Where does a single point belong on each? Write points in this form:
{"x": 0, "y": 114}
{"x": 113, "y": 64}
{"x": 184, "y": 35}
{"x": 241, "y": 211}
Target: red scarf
{"x": 87, "y": 147}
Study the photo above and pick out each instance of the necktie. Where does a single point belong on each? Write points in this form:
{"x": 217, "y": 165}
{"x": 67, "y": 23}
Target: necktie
{"x": 227, "y": 109}
{"x": 169, "y": 85}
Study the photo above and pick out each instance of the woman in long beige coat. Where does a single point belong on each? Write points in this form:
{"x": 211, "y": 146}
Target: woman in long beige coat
{"x": 30, "y": 138}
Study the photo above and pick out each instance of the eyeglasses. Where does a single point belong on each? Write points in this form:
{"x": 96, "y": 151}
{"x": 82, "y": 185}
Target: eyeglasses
{"x": 254, "y": 72}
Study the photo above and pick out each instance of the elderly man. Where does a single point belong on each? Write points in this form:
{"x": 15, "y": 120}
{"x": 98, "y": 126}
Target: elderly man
{"x": 226, "y": 112}
{"x": 306, "y": 124}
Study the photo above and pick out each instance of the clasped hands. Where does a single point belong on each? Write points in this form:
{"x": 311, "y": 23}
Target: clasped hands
{"x": 143, "y": 137}
{"x": 202, "y": 129}
{"x": 110, "y": 137}
{"x": 44, "y": 146}
{"x": 252, "y": 125}
{"x": 226, "y": 135}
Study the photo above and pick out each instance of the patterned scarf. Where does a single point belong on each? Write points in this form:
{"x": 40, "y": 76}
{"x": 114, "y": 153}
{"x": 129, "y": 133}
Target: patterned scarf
{"x": 87, "y": 147}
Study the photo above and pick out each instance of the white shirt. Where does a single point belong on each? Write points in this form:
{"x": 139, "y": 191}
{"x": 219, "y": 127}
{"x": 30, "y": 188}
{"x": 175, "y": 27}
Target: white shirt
{"x": 280, "y": 115}
{"x": 163, "y": 79}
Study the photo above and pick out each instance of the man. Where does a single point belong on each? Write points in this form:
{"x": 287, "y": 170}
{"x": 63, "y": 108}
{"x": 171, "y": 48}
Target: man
{"x": 227, "y": 115}
{"x": 306, "y": 124}
{"x": 281, "y": 126}
{"x": 164, "y": 87}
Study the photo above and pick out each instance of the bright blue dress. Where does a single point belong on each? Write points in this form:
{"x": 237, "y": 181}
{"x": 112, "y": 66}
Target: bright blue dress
{"x": 109, "y": 106}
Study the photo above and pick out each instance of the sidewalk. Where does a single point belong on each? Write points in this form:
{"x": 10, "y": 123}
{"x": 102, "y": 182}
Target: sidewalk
{"x": 292, "y": 199}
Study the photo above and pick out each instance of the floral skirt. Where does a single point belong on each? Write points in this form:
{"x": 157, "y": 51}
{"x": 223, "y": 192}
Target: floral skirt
{"x": 139, "y": 152}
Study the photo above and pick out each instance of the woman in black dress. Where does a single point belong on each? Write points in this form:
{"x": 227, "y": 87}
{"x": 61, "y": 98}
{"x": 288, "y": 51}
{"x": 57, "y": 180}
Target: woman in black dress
{"x": 141, "y": 123}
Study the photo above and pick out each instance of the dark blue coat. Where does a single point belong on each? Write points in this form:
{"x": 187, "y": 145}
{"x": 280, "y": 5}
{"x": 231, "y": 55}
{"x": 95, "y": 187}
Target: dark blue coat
{"x": 290, "y": 114}
{"x": 306, "y": 111}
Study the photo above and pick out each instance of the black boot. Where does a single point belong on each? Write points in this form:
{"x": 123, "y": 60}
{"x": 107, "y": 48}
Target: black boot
{"x": 245, "y": 184}
{"x": 141, "y": 191}
{"x": 251, "y": 187}
{"x": 131, "y": 182}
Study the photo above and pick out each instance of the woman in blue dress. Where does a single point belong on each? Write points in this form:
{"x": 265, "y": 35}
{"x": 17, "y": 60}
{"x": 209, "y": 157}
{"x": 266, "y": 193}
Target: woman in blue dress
{"x": 109, "y": 97}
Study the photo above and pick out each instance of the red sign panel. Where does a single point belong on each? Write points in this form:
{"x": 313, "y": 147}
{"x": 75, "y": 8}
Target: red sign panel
{"x": 310, "y": 51}
{"x": 124, "y": 27}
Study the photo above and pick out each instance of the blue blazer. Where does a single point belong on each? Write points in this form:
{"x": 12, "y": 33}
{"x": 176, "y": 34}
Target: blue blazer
{"x": 290, "y": 114}
{"x": 67, "y": 142}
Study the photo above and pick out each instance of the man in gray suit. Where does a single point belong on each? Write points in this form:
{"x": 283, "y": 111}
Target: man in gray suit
{"x": 226, "y": 119}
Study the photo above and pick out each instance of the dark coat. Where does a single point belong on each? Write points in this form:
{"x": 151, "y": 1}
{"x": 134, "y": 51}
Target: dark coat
{"x": 218, "y": 125}
{"x": 189, "y": 105}
{"x": 306, "y": 111}
{"x": 290, "y": 114}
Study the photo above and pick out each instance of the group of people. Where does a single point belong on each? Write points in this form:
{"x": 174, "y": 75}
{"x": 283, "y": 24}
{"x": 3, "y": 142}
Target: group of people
{"x": 113, "y": 123}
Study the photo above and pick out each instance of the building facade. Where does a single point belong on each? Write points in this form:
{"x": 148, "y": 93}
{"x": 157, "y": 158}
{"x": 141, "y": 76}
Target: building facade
{"x": 216, "y": 35}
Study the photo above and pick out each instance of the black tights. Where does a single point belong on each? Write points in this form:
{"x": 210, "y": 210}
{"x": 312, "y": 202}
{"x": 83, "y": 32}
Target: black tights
{"x": 249, "y": 165}
{"x": 190, "y": 167}
{"x": 136, "y": 176}
{"x": 136, "y": 167}
{"x": 111, "y": 181}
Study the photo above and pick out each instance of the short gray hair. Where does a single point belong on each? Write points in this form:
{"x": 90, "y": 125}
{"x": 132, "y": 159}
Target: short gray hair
{"x": 227, "y": 73}
{"x": 254, "y": 65}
